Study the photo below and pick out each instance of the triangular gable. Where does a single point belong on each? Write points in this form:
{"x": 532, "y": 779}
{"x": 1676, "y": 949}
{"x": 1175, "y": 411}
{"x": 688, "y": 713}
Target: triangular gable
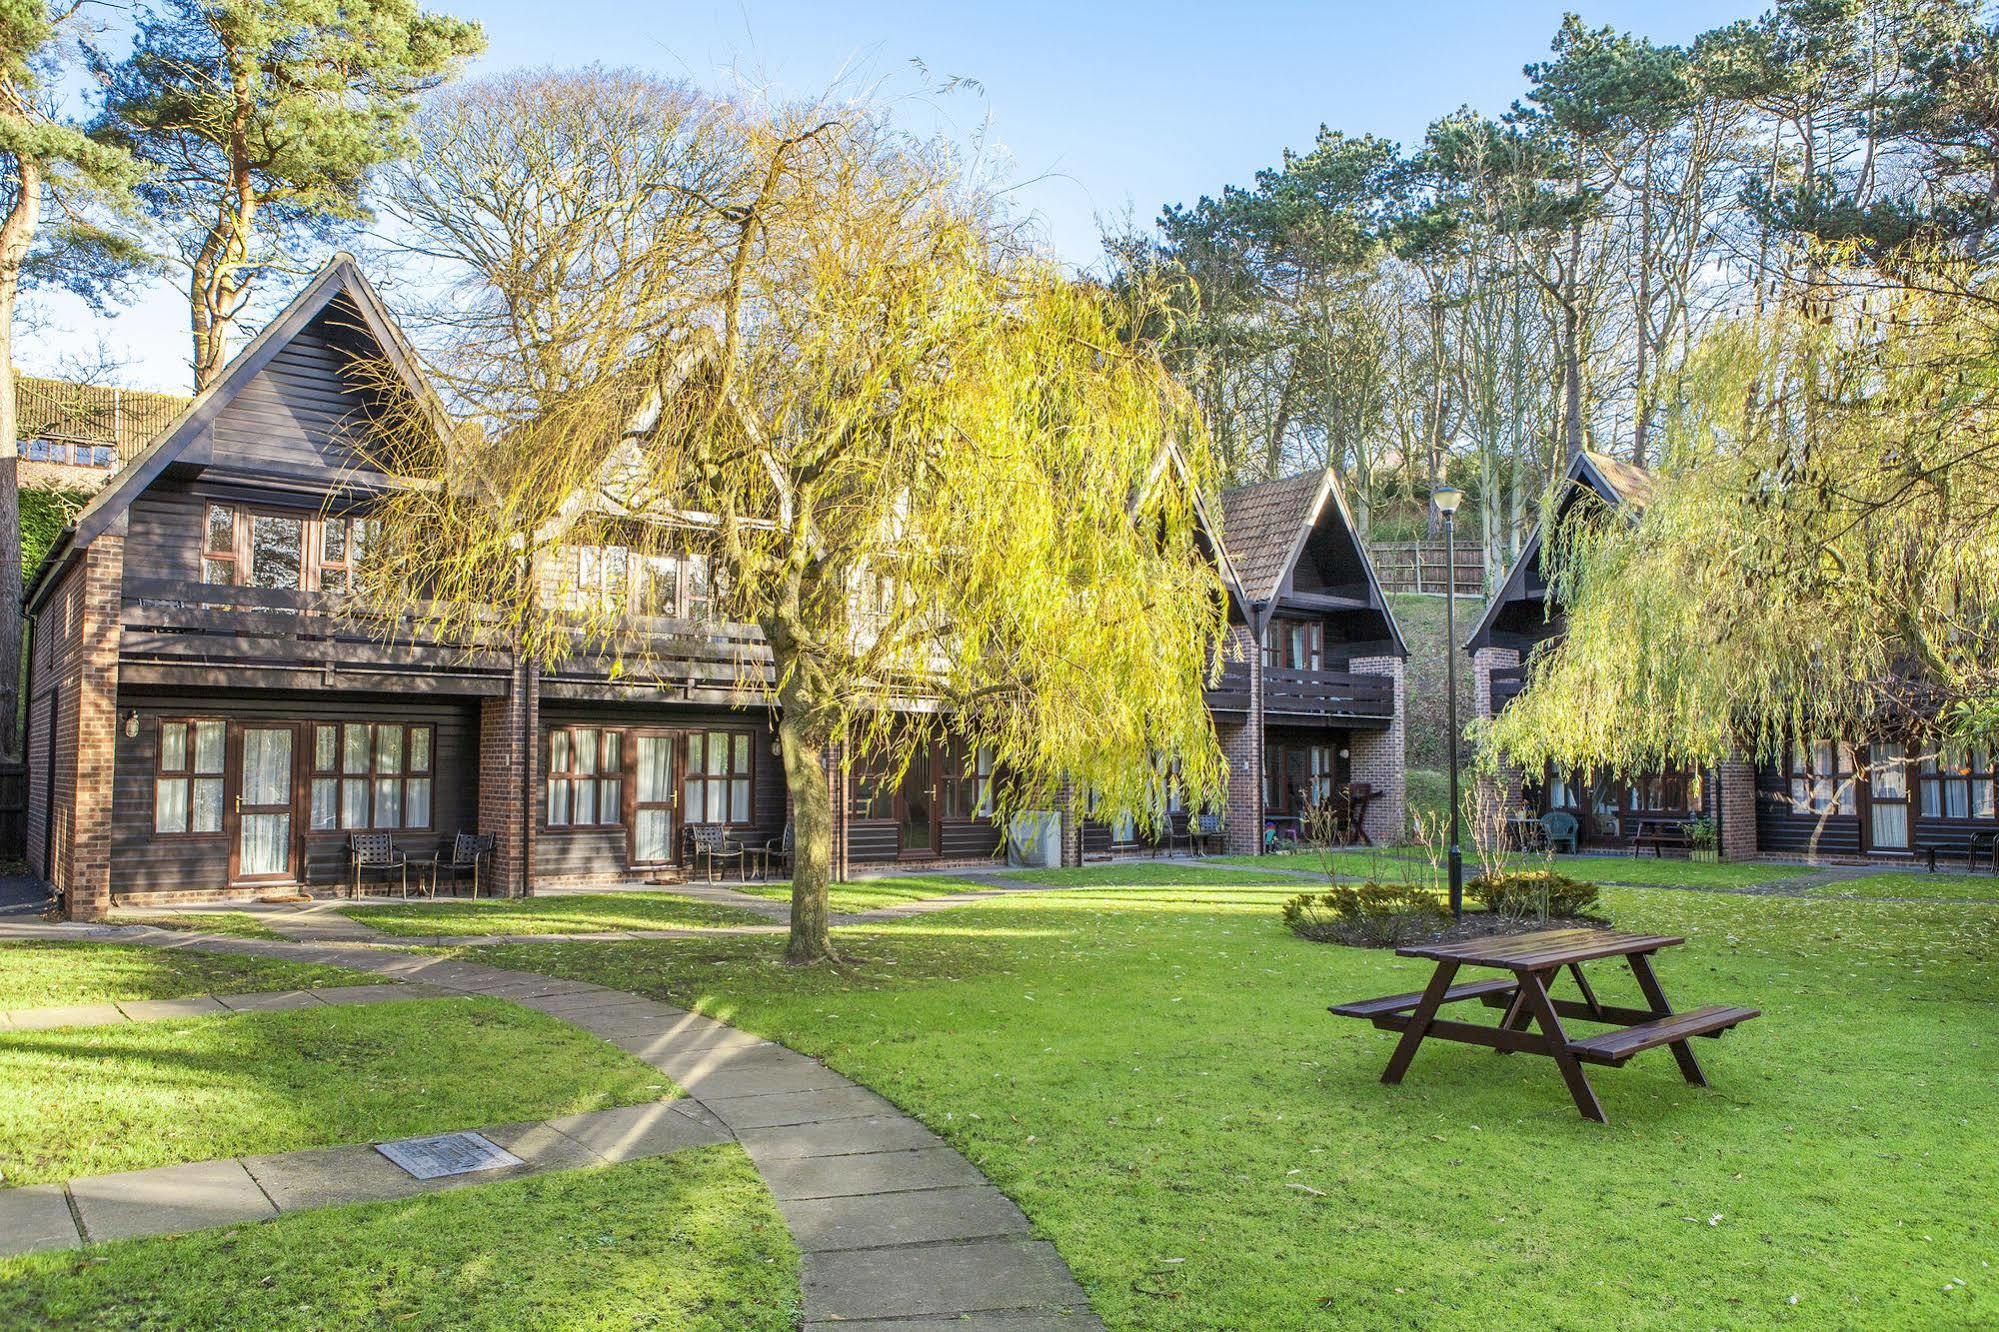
{"x": 1619, "y": 484}
{"x": 1170, "y": 459}
{"x": 341, "y": 277}
{"x": 1292, "y": 510}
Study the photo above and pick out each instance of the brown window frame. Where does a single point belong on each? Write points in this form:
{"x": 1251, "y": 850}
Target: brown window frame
{"x": 696, "y": 776}
{"x": 186, "y": 775}
{"x": 606, "y": 778}
{"x": 1801, "y": 778}
{"x": 1933, "y": 779}
{"x": 967, "y": 775}
{"x": 238, "y": 559}
{"x": 338, "y": 774}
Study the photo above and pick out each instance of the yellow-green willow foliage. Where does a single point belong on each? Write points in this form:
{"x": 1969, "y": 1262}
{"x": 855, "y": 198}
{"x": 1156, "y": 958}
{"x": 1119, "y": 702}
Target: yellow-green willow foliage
{"x": 927, "y": 465}
{"x": 1820, "y": 557}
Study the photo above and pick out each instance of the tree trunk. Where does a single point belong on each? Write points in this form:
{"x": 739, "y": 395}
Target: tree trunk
{"x": 1572, "y": 355}
{"x": 812, "y": 841}
{"x": 16, "y": 233}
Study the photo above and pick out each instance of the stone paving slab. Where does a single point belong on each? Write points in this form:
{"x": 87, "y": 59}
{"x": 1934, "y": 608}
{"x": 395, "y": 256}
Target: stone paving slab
{"x": 168, "y": 1200}
{"x": 636, "y": 1131}
{"x": 1004, "y": 1320}
{"x": 273, "y": 1002}
{"x": 972, "y": 1212}
{"x": 836, "y": 1137}
{"x": 542, "y": 1146}
{"x": 751, "y": 1071}
{"x": 328, "y": 1176}
{"x": 781, "y": 1108}
{"x": 907, "y": 1282}
{"x": 35, "y": 1216}
{"x": 67, "y": 1015}
{"x": 156, "y": 1010}
{"x": 871, "y": 1173}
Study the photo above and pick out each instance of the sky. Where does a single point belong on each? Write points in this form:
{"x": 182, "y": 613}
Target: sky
{"x": 1102, "y": 108}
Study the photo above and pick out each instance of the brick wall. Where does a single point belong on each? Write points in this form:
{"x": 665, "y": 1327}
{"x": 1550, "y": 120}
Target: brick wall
{"x": 837, "y": 784}
{"x": 1736, "y": 801}
{"x": 1503, "y": 794}
{"x": 86, "y": 730}
{"x": 1068, "y": 803}
{"x": 1483, "y": 663}
{"x": 508, "y": 783}
{"x": 1380, "y": 758}
{"x": 51, "y": 699}
{"x": 1242, "y": 748}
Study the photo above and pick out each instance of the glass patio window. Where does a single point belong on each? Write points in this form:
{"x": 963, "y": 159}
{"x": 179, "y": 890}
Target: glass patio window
{"x": 187, "y": 780}
{"x": 371, "y": 775}
{"x": 718, "y": 777}
{"x": 585, "y": 787}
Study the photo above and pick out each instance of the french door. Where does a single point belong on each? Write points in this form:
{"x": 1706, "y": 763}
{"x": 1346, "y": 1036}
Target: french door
{"x": 655, "y": 797}
{"x": 263, "y": 849}
{"x": 1887, "y": 823}
{"x": 916, "y": 805}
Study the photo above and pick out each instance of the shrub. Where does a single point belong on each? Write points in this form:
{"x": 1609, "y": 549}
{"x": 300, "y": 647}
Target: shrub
{"x": 1536, "y": 894}
{"x": 1374, "y": 915}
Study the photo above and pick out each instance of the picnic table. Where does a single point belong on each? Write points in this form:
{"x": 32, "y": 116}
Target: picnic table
{"x": 1532, "y": 962}
{"x": 1658, "y": 833}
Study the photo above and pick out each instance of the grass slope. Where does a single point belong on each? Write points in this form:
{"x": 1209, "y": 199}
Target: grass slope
{"x": 571, "y": 914}
{"x": 37, "y": 974}
{"x": 871, "y": 894}
{"x": 1153, "y": 1075}
{"x": 689, "y": 1241}
{"x": 89, "y": 1100}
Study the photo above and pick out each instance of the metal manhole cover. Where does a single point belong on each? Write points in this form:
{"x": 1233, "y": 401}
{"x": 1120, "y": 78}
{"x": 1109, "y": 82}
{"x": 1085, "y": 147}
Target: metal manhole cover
{"x": 448, "y": 1154}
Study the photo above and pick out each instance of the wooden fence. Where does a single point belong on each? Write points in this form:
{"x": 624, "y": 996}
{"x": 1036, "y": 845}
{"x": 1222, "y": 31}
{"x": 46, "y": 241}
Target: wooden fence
{"x": 1422, "y": 566}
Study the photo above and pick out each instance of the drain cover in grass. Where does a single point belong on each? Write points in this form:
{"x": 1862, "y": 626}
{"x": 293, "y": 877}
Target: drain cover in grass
{"x": 448, "y": 1154}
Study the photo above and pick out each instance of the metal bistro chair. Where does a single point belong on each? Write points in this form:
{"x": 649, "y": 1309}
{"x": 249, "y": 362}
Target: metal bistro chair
{"x": 376, "y": 853}
{"x": 469, "y": 852}
{"x": 711, "y": 841}
{"x": 1203, "y": 833}
{"x": 1559, "y": 830}
{"x": 778, "y": 851}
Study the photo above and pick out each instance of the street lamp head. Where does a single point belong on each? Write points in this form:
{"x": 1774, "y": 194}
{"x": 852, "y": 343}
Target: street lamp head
{"x": 1447, "y": 499}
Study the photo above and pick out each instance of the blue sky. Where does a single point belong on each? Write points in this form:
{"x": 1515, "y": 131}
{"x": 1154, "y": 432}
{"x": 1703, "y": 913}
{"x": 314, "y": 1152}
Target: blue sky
{"x": 1100, "y": 106}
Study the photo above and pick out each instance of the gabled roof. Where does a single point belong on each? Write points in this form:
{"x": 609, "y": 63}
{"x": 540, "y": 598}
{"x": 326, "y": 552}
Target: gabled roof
{"x": 1267, "y": 525}
{"x": 1618, "y": 483}
{"x": 341, "y": 277}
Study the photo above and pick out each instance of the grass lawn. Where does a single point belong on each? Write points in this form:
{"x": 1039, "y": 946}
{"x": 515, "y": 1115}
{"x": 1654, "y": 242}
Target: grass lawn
{"x": 241, "y": 924}
{"x": 871, "y": 894}
{"x": 37, "y": 974}
{"x": 1388, "y": 865}
{"x": 1941, "y": 887}
{"x": 582, "y": 913}
{"x": 88, "y": 1100}
{"x": 1153, "y": 1076}
{"x": 689, "y": 1241}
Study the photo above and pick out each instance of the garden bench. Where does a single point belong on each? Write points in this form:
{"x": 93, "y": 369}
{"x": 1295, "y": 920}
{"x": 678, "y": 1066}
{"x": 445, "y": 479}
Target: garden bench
{"x": 1532, "y": 962}
{"x": 1980, "y": 843}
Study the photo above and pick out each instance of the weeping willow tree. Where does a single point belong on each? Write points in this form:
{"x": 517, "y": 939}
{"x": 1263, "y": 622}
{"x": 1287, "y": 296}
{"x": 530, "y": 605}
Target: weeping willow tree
{"x": 927, "y": 466}
{"x": 1820, "y": 558}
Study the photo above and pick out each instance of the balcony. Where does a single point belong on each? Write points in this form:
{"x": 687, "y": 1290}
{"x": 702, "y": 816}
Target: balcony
{"x": 703, "y": 661}
{"x": 1303, "y": 695}
{"x": 175, "y": 631}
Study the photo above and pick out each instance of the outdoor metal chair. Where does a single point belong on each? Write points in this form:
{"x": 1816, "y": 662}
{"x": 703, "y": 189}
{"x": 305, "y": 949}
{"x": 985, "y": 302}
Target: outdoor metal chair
{"x": 779, "y": 851}
{"x": 376, "y": 853}
{"x": 1204, "y": 833}
{"x": 1558, "y": 831}
{"x": 711, "y": 842}
{"x": 469, "y": 854}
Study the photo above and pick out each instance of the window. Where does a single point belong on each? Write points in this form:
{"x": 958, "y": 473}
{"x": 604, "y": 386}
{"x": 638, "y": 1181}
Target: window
{"x": 1669, "y": 791}
{"x": 586, "y": 783}
{"x": 1297, "y": 645}
{"x": 968, "y": 783}
{"x": 45, "y": 450}
{"x": 371, "y": 775}
{"x": 718, "y": 777}
{"x": 96, "y": 455}
{"x": 340, "y": 544}
{"x": 1958, "y": 784}
{"x": 1821, "y": 778}
{"x": 874, "y": 789}
{"x": 1297, "y": 777}
{"x": 187, "y": 782}
{"x": 277, "y": 551}
{"x": 218, "y": 544}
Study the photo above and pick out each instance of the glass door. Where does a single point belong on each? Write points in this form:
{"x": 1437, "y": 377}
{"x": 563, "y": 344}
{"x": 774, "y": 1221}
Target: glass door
{"x": 264, "y": 806}
{"x": 916, "y": 805}
{"x": 654, "y": 797}
{"x": 1887, "y": 798}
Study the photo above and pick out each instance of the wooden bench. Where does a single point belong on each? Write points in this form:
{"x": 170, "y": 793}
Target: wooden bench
{"x": 1659, "y": 834}
{"x": 1614, "y": 1047}
{"x": 1497, "y": 991}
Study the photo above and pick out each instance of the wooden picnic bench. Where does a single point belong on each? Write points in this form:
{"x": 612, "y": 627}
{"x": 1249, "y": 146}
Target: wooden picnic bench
{"x": 1532, "y": 963}
{"x": 1659, "y": 834}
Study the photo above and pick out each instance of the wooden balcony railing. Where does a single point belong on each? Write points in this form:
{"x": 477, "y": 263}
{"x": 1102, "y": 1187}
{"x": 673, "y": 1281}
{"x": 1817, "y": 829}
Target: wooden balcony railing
{"x": 1304, "y": 693}
{"x": 1507, "y": 682}
{"x": 179, "y": 621}
{"x": 696, "y": 657}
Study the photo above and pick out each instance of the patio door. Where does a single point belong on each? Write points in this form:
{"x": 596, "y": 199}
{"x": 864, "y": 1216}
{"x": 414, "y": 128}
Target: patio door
{"x": 655, "y": 797}
{"x": 263, "y": 806}
{"x": 916, "y": 805}
{"x": 1887, "y": 821}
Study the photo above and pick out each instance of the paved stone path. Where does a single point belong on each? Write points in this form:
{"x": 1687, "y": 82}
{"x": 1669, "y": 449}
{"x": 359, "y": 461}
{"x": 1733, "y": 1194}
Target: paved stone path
{"x": 900, "y": 1233}
{"x": 207, "y": 1005}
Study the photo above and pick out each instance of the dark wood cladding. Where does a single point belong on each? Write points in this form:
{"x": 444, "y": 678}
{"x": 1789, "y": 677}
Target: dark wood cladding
{"x": 604, "y": 852}
{"x": 1289, "y": 692}
{"x": 144, "y": 863}
{"x": 303, "y": 413}
{"x": 1782, "y": 831}
{"x": 873, "y": 841}
{"x": 879, "y": 841}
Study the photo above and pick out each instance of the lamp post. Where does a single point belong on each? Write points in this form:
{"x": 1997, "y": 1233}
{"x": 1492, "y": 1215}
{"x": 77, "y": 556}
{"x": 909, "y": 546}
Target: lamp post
{"x": 1447, "y": 498}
